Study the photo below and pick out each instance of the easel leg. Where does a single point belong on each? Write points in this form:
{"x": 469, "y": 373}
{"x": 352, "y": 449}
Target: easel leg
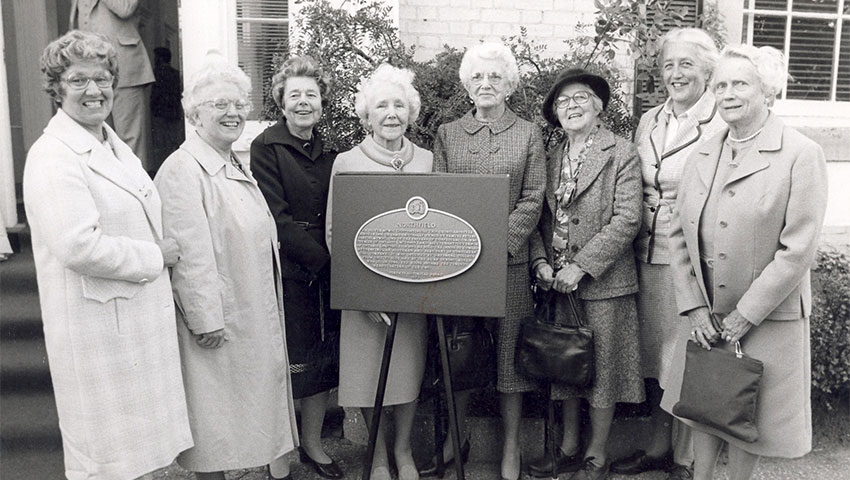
{"x": 379, "y": 398}
{"x": 450, "y": 399}
{"x": 550, "y": 426}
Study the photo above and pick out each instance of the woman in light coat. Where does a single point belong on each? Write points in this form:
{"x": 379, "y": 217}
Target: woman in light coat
{"x": 665, "y": 137}
{"x": 745, "y": 232}
{"x": 101, "y": 260}
{"x": 227, "y": 288}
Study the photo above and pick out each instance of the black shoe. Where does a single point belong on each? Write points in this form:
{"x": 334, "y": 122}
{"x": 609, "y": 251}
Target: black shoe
{"x": 640, "y": 462}
{"x": 590, "y": 471}
{"x": 326, "y": 470}
{"x": 432, "y": 469}
{"x": 563, "y": 463}
{"x": 680, "y": 472}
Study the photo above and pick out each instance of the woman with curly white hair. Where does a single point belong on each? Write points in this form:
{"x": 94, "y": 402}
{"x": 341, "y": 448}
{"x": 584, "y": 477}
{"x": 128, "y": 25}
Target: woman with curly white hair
{"x": 226, "y": 287}
{"x": 744, "y": 235}
{"x": 387, "y": 103}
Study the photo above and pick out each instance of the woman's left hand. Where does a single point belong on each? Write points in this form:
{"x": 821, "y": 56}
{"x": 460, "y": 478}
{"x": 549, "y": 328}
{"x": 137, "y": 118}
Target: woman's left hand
{"x": 567, "y": 278}
{"x": 735, "y": 326}
{"x": 214, "y": 339}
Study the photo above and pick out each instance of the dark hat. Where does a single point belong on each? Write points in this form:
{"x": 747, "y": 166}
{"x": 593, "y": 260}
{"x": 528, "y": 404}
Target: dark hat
{"x": 574, "y": 75}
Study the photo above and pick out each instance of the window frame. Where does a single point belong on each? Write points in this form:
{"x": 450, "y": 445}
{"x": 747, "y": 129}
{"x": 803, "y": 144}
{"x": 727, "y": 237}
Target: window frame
{"x": 831, "y": 107}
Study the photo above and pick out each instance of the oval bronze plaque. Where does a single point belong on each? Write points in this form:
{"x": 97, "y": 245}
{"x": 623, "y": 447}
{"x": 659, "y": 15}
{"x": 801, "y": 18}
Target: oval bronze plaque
{"x": 417, "y": 244}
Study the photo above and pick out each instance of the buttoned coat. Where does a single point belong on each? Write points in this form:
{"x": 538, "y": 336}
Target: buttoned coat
{"x": 769, "y": 219}
{"x": 662, "y": 169}
{"x": 106, "y": 304}
{"x": 228, "y": 277}
{"x": 118, "y": 20}
{"x": 604, "y": 213}
{"x": 511, "y": 146}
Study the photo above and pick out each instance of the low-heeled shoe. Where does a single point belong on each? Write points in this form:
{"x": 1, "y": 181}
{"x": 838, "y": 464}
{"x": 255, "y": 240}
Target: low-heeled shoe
{"x": 563, "y": 463}
{"x": 326, "y": 470}
{"x": 640, "y": 462}
{"x": 680, "y": 472}
{"x": 434, "y": 470}
{"x": 591, "y": 471}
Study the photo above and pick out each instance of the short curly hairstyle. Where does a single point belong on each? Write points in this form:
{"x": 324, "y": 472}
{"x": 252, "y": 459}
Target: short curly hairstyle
{"x": 75, "y": 46}
{"x": 214, "y": 70}
{"x": 490, "y": 51}
{"x": 769, "y": 64}
{"x": 384, "y": 75}
{"x": 303, "y": 66}
{"x": 706, "y": 49}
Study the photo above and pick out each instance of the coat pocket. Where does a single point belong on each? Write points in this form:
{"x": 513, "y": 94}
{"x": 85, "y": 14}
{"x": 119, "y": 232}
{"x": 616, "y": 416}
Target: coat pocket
{"x": 104, "y": 289}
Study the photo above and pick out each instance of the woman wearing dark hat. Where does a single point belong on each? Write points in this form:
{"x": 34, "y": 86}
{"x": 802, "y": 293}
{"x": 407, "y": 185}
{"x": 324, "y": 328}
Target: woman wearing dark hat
{"x": 583, "y": 242}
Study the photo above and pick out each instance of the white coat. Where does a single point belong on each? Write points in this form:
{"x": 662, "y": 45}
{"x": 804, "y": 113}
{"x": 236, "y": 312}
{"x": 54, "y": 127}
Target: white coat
{"x": 239, "y": 395}
{"x": 106, "y": 304}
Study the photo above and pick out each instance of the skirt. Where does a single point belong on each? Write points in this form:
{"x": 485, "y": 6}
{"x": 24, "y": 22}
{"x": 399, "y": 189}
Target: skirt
{"x": 784, "y": 410}
{"x": 520, "y": 303}
{"x": 361, "y": 353}
{"x": 658, "y": 320}
{"x": 312, "y": 339}
{"x": 617, "y": 354}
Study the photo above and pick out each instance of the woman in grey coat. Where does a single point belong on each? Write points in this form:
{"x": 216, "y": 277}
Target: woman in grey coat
{"x": 584, "y": 242}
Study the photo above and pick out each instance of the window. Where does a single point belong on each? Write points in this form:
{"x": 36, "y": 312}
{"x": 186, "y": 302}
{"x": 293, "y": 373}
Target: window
{"x": 815, "y": 37}
{"x": 262, "y": 34}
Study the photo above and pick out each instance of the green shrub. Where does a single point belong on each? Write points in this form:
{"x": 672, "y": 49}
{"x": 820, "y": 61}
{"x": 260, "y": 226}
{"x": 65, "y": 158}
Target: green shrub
{"x": 830, "y": 326}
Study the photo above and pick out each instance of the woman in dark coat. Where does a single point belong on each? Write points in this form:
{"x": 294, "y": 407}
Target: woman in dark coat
{"x": 293, "y": 173}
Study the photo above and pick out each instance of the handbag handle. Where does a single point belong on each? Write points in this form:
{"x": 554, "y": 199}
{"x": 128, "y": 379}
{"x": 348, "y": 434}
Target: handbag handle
{"x": 544, "y": 312}
{"x": 739, "y": 353}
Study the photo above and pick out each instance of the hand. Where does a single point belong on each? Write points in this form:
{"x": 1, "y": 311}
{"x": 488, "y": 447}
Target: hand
{"x": 379, "y": 317}
{"x": 214, "y": 339}
{"x": 567, "y": 278}
{"x": 702, "y": 330}
{"x": 735, "y": 326}
{"x": 544, "y": 275}
{"x": 170, "y": 251}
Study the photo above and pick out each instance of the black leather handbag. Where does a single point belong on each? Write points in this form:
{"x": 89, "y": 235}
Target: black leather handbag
{"x": 720, "y": 389}
{"x": 551, "y": 351}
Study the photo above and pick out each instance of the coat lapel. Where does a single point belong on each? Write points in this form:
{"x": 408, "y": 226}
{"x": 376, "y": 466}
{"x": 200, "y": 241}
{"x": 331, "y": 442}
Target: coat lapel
{"x": 690, "y": 128}
{"x": 596, "y": 159}
{"x": 553, "y": 171}
{"x": 657, "y": 134}
{"x": 753, "y": 161}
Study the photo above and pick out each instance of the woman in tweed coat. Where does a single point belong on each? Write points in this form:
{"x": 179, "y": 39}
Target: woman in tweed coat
{"x": 491, "y": 139}
{"x": 584, "y": 242}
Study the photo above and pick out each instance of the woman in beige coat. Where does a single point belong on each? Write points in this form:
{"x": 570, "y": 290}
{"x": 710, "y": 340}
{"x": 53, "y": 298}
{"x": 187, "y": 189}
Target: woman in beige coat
{"x": 227, "y": 288}
{"x": 745, "y": 232}
{"x": 101, "y": 261}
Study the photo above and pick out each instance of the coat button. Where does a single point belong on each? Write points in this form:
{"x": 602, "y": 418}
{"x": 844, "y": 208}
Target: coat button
{"x": 721, "y": 256}
{"x": 144, "y": 280}
{"x": 655, "y": 165}
{"x": 722, "y": 285}
{"x": 575, "y": 220}
{"x": 574, "y": 248}
{"x": 723, "y": 224}
{"x": 651, "y": 209}
{"x": 731, "y": 193}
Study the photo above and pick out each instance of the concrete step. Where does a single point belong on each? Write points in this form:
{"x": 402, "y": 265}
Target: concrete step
{"x": 30, "y": 422}
{"x": 23, "y": 366}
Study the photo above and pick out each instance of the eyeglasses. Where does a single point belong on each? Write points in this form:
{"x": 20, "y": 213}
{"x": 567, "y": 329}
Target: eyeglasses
{"x": 736, "y": 85}
{"x": 223, "y": 104}
{"x": 493, "y": 78}
{"x": 81, "y": 82}
{"x": 580, "y": 98}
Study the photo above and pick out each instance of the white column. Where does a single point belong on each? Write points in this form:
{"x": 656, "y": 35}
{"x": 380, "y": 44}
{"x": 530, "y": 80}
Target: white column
{"x": 7, "y": 167}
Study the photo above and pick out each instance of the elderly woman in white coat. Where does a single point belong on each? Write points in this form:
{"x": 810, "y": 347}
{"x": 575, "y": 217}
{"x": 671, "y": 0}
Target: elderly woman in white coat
{"x": 101, "y": 261}
{"x": 665, "y": 137}
{"x": 744, "y": 235}
{"x": 227, "y": 288}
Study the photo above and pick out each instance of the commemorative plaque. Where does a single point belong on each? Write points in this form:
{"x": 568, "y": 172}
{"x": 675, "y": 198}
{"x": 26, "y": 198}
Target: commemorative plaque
{"x": 420, "y": 243}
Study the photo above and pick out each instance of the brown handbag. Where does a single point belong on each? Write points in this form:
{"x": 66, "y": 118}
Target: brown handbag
{"x": 720, "y": 389}
{"x": 553, "y": 352}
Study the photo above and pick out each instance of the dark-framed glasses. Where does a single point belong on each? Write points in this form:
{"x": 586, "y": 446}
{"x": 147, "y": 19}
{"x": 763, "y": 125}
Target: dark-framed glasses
{"x": 223, "y": 104}
{"x": 580, "y": 98}
{"x": 493, "y": 78}
{"x": 81, "y": 82}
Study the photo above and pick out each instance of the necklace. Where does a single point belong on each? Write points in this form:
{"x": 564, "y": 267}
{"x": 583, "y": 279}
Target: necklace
{"x": 741, "y": 140}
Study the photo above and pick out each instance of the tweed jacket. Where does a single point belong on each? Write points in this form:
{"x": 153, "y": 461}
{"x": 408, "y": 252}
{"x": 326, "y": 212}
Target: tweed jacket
{"x": 769, "y": 218}
{"x": 106, "y": 304}
{"x": 118, "y": 20}
{"x": 294, "y": 177}
{"x": 511, "y": 146}
{"x": 662, "y": 168}
{"x": 605, "y": 216}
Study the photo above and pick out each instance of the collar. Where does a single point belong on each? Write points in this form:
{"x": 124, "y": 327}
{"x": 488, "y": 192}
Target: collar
{"x": 770, "y": 138}
{"x": 471, "y": 125}
{"x": 77, "y": 138}
{"x": 279, "y": 134}
{"x": 395, "y": 160}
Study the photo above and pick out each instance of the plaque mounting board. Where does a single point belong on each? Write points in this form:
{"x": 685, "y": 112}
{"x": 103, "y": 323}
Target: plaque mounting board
{"x": 481, "y": 201}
